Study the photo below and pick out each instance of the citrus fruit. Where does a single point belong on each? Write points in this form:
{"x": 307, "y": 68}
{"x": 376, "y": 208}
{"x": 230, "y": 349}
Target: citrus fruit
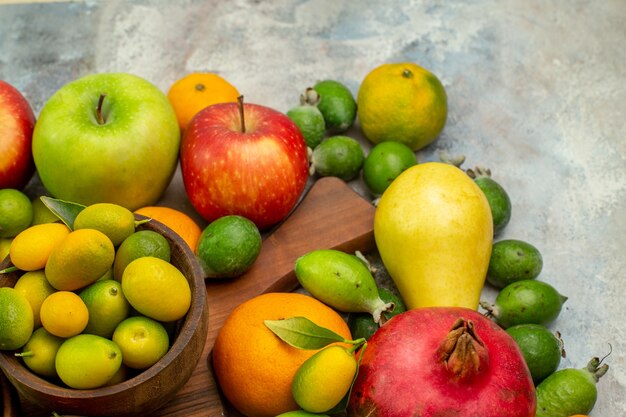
{"x": 362, "y": 325}
{"x": 113, "y": 220}
{"x": 140, "y": 244}
{"x": 87, "y": 361}
{"x": 384, "y": 163}
{"x": 338, "y": 156}
{"x": 35, "y": 287}
{"x": 16, "y": 212}
{"x": 40, "y": 351}
{"x": 143, "y": 341}
{"x": 107, "y": 275}
{"x": 120, "y": 376}
{"x": 196, "y": 91}
{"x": 107, "y": 307}
{"x": 5, "y": 245}
{"x": 229, "y": 246}
{"x": 64, "y": 314}
{"x": 570, "y": 391}
{"x": 541, "y": 349}
{"x": 499, "y": 200}
{"x": 324, "y": 379}
{"x": 79, "y": 259}
{"x": 16, "y": 319}
{"x": 156, "y": 288}
{"x": 337, "y": 105}
{"x": 513, "y": 260}
{"x": 402, "y": 102}
{"x": 183, "y": 225}
{"x": 310, "y": 121}
{"x": 41, "y": 213}
{"x": 31, "y": 249}
{"x": 301, "y": 413}
{"x": 255, "y": 368}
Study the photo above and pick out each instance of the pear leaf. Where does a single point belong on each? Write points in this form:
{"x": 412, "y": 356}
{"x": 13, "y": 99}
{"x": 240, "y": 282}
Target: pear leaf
{"x": 64, "y": 210}
{"x": 302, "y": 333}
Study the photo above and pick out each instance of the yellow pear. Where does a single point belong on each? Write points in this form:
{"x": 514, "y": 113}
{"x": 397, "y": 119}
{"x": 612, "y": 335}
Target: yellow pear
{"x": 434, "y": 232}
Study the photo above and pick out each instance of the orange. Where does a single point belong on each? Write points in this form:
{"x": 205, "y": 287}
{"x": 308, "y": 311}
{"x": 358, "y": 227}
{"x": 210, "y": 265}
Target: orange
{"x": 176, "y": 220}
{"x": 64, "y": 314}
{"x": 196, "y": 91}
{"x": 402, "y": 102}
{"x": 254, "y": 367}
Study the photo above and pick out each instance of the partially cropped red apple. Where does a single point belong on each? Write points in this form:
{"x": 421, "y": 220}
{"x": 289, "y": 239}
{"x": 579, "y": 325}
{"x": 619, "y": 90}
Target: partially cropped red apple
{"x": 16, "y": 133}
{"x": 243, "y": 159}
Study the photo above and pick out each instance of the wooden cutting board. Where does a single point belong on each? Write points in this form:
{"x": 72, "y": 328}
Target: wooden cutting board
{"x": 331, "y": 216}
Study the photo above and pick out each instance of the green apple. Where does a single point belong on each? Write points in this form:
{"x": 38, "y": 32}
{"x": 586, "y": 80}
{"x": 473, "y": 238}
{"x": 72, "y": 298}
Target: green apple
{"x": 107, "y": 138}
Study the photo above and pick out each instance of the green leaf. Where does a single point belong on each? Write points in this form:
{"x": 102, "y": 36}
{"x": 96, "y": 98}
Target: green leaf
{"x": 302, "y": 333}
{"x": 64, "y": 210}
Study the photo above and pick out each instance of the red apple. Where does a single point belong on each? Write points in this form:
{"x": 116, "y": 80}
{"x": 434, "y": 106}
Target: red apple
{"x": 16, "y": 133}
{"x": 243, "y": 159}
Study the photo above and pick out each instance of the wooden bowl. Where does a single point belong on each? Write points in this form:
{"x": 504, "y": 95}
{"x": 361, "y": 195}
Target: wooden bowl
{"x": 9, "y": 400}
{"x": 150, "y": 389}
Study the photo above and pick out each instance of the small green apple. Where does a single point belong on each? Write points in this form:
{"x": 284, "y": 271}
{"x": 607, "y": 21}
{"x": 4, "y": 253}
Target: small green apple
{"x": 109, "y": 137}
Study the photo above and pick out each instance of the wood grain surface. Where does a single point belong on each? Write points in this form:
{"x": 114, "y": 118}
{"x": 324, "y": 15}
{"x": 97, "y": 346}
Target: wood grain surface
{"x": 331, "y": 216}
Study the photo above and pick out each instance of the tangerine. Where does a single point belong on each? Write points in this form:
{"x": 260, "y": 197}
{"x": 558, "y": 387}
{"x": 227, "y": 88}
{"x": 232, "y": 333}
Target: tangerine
{"x": 35, "y": 287}
{"x": 79, "y": 259}
{"x": 113, "y": 220}
{"x": 254, "y": 367}
{"x": 31, "y": 249}
{"x": 402, "y": 102}
{"x": 64, "y": 314}
{"x": 179, "y": 222}
{"x": 196, "y": 91}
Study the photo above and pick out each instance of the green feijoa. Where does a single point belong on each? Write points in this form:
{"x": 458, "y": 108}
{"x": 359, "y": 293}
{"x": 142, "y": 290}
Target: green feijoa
{"x": 337, "y": 104}
{"x": 228, "y": 246}
{"x": 340, "y": 280}
{"x": 570, "y": 391}
{"x": 542, "y": 350}
{"x": 338, "y": 156}
{"x": 513, "y": 260}
{"x": 362, "y": 325}
{"x": 310, "y": 121}
{"x": 525, "y": 302}
{"x": 384, "y": 163}
{"x": 498, "y": 199}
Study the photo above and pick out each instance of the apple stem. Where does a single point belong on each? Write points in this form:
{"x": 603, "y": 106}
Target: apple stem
{"x": 243, "y": 120}
{"x": 99, "y": 116}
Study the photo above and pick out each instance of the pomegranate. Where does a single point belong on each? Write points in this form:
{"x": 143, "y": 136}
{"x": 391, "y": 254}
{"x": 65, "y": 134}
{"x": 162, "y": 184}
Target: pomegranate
{"x": 442, "y": 362}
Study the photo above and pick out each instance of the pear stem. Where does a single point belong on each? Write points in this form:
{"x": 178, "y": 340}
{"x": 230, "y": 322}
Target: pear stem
{"x": 243, "y": 120}
{"x": 99, "y": 116}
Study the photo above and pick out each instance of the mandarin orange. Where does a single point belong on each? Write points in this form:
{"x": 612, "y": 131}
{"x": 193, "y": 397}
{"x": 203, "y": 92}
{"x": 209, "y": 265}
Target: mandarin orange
{"x": 196, "y": 91}
{"x": 254, "y": 367}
